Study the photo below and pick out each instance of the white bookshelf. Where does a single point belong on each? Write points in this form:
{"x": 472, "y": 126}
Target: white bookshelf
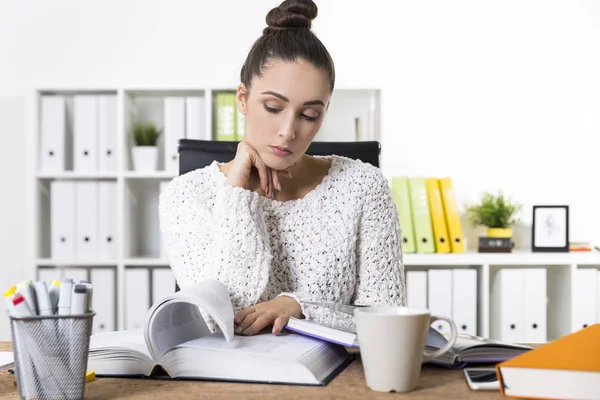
{"x": 138, "y": 239}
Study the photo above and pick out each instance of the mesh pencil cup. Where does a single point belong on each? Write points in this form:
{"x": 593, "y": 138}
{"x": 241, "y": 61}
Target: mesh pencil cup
{"x": 51, "y": 354}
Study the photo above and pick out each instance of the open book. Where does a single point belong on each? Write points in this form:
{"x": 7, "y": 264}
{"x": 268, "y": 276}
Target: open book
{"x": 468, "y": 349}
{"x": 177, "y": 342}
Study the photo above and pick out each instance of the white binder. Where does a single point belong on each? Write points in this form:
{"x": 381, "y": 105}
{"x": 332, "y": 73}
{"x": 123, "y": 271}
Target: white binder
{"x": 107, "y": 220}
{"x": 464, "y": 300}
{"x": 195, "y": 120}
{"x": 107, "y": 133}
{"x": 137, "y": 297}
{"x": 53, "y": 132}
{"x": 86, "y": 220}
{"x": 163, "y": 283}
{"x": 536, "y": 325}
{"x": 62, "y": 220}
{"x": 85, "y": 133}
{"x": 77, "y": 274}
{"x": 598, "y": 299}
{"x": 585, "y": 298}
{"x": 507, "y": 306}
{"x": 103, "y": 299}
{"x": 416, "y": 289}
{"x": 48, "y": 275}
{"x": 174, "y": 130}
{"x": 440, "y": 296}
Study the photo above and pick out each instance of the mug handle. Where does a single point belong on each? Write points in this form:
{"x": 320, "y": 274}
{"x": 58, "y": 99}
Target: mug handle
{"x": 454, "y": 335}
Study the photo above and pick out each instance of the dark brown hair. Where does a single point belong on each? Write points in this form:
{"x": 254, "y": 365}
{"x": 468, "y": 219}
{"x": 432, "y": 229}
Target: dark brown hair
{"x": 288, "y": 38}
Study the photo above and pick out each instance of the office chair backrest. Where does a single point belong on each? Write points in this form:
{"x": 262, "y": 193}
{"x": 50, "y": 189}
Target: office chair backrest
{"x": 194, "y": 154}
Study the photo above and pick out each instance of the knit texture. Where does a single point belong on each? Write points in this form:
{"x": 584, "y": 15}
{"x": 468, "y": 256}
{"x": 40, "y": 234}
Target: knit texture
{"x": 340, "y": 243}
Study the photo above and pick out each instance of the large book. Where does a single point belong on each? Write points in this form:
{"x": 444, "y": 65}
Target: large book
{"x": 190, "y": 335}
{"x": 566, "y": 368}
{"x": 468, "y": 349}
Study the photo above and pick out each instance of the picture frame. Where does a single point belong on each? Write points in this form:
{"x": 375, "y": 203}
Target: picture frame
{"x": 550, "y": 228}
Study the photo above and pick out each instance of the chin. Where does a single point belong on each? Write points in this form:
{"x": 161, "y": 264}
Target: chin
{"x": 278, "y": 163}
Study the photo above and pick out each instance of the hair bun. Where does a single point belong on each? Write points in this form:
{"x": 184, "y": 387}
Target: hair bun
{"x": 292, "y": 14}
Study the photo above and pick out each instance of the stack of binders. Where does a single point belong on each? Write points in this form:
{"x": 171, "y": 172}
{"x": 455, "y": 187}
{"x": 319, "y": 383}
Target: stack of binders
{"x": 428, "y": 215}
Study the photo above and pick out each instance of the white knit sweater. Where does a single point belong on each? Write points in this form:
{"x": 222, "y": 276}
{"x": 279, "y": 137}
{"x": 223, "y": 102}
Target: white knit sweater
{"x": 340, "y": 243}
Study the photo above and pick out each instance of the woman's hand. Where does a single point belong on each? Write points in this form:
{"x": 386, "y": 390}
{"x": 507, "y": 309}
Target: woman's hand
{"x": 248, "y": 171}
{"x": 276, "y": 312}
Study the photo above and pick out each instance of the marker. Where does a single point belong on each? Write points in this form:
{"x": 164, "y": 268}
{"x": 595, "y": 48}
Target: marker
{"x": 9, "y": 295}
{"x": 43, "y": 299}
{"x": 54, "y": 294}
{"x": 26, "y": 289}
{"x": 90, "y": 292}
{"x": 64, "y": 301}
{"x": 20, "y": 307}
{"x": 79, "y": 300}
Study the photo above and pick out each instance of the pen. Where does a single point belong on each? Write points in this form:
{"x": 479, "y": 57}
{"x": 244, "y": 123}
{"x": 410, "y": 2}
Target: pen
{"x": 79, "y": 300}
{"x": 54, "y": 294}
{"x": 43, "y": 299}
{"x": 25, "y": 288}
{"x": 20, "y": 307}
{"x": 64, "y": 301}
{"x": 9, "y": 295}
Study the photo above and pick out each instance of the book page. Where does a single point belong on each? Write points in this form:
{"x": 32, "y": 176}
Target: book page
{"x": 177, "y": 318}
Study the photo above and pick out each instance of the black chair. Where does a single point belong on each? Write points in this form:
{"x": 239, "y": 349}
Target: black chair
{"x": 194, "y": 154}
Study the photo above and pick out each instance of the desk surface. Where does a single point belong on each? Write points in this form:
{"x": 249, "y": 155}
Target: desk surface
{"x": 435, "y": 383}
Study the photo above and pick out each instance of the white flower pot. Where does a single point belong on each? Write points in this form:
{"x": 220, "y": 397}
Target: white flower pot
{"x": 145, "y": 158}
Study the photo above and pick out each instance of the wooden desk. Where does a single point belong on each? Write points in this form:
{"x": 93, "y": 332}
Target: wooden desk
{"x": 436, "y": 383}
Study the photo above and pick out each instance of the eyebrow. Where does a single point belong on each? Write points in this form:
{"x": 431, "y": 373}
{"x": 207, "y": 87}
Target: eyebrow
{"x": 282, "y": 97}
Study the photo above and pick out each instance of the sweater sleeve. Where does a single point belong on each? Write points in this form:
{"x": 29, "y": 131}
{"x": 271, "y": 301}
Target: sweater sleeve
{"x": 222, "y": 236}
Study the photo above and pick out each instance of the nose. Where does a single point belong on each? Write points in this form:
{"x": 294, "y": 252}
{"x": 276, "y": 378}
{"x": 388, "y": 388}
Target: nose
{"x": 288, "y": 130}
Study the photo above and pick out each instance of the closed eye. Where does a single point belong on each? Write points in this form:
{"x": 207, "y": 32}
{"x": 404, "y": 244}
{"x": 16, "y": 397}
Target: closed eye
{"x": 276, "y": 110}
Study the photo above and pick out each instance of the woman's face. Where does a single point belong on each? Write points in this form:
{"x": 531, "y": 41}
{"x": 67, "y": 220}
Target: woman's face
{"x": 284, "y": 110}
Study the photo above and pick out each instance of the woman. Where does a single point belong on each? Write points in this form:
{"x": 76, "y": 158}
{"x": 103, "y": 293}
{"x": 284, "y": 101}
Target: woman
{"x": 276, "y": 226}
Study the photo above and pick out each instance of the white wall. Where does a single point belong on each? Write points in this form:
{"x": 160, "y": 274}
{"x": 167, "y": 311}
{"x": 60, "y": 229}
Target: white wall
{"x": 493, "y": 94}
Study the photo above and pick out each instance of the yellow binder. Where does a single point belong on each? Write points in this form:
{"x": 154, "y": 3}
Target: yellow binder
{"x": 401, "y": 197}
{"x": 452, "y": 217}
{"x": 421, "y": 216}
{"x": 438, "y": 218}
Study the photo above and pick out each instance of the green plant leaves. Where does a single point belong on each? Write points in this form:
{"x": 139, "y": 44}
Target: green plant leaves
{"x": 145, "y": 134}
{"x": 494, "y": 211}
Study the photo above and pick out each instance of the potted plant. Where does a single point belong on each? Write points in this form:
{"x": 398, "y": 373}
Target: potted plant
{"x": 145, "y": 150}
{"x": 497, "y": 213}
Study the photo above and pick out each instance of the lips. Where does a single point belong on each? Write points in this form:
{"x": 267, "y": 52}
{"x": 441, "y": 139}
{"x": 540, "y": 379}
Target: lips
{"x": 280, "y": 151}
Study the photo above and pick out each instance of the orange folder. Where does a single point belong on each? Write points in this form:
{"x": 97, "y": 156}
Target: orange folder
{"x": 438, "y": 217}
{"x": 566, "y": 368}
{"x": 452, "y": 217}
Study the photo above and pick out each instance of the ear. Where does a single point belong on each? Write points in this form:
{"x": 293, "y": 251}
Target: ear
{"x": 241, "y": 97}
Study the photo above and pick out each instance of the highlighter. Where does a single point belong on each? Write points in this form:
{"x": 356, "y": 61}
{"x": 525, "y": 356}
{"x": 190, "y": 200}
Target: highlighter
{"x": 20, "y": 307}
{"x": 90, "y": 293}
{"x": 26, "y": 289}
{"x": 54, "y": 294}
{"x": 43, "y": 299}
{"x": 79, "y": 300}
{"x": 9, "y": 295}
{"x": 64, "y": 301}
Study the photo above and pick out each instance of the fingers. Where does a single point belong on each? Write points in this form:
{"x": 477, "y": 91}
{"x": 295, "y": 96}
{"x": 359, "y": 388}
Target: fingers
{"x": 240, "y": 316}
{"x": 259, "y": 323}
{"x": 269, "y": 192}
{"x": 279, "y": 324}
{"x": 275, "y": 179}
{"x": 263, "y": 175}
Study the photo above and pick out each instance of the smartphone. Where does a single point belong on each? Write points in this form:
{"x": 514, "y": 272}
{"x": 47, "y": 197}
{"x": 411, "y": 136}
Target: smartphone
{"x": 482, "y": 378}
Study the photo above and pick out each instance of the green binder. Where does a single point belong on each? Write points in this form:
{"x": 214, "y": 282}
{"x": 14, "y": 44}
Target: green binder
{"x": 225, "y": 112}
{"x": 421, "y": 217}
{"x": 401, "y": 196}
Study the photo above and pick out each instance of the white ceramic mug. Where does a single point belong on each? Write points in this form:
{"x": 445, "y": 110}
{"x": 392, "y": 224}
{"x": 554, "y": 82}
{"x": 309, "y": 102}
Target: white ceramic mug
{"x": 392, "y": 345}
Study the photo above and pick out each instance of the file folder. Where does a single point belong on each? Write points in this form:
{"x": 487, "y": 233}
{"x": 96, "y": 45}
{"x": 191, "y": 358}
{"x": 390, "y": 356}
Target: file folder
{"x": 77, "y": 274}
{"x": 598, "y": 299}
{"x": 464, "y": 300}
{"x": 103, "y": 299}
{"x": 452, "y": 216}
{"x": 225, "y": 117}
{"x": 174, "y": 130}
{"x": 401, "y": 197}
{"x": 86, "y": 220}
{"x": 62, "y": 220}
{"x": 421, "y": 218}
{"x": 507, "y": 316}
{"x": 53, "y": 134}
{"x": 585, "y": 298}
{"x": 107, "y": 220}
{"x": 195, "y": 121}
{"x": 107, "y": 133}
{"x": 416, "y": 289}
{"x": 438, "y": 217}
{"x": 137, "y": 297}
{"x": 439, "y": 296}
{"x": 48, "y": 275}
{"x": 535, "y": 305}
{"x": 163, "y": 283}
{"x": 85, "y": 133}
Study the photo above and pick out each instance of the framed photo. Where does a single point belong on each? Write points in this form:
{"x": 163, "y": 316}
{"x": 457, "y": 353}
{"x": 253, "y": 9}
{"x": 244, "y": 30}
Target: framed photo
{"x": 550, "y": 230}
